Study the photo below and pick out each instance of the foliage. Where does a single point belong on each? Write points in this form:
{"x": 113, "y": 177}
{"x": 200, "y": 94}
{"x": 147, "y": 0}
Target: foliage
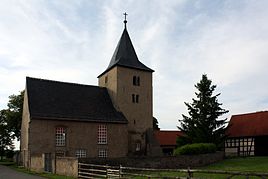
{"x": 10, "y": 122}
{"x": 5, "y": 137}
{"x": 14, "y": 113}
{"x": 202, "y": 125}
{"x": 155, "y": 124}
{"x": 197, "y": 148}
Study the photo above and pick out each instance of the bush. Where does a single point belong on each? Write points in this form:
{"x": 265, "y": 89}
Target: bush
{"x": 194, "y": 149}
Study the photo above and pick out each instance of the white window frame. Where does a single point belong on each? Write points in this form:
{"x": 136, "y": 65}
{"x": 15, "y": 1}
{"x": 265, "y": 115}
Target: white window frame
{"x": 60, "y": 136}
{"x": 103, "y": 153}
{"x": 102, "y": 134}
{"x": 81, "y": 153}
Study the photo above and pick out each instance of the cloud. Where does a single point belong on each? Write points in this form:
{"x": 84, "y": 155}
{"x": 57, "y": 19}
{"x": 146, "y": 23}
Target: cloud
{"x": 181, "y": 40}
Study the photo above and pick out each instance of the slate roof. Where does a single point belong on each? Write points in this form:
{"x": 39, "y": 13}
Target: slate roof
{"x": 68, "y": 101}
{"x": 167, "y": 138}
{"x": 125, "y": 55}
{"x": 247, "y": 125}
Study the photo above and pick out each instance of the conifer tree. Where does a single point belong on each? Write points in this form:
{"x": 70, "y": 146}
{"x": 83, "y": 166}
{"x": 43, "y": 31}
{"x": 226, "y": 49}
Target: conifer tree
{"x": 202, "y": 125}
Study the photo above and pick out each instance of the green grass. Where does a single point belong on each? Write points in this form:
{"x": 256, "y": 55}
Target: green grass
{"x": 7, "y": 162}
{"x": 249, "y": 164}
{"x": 46, "y": 175}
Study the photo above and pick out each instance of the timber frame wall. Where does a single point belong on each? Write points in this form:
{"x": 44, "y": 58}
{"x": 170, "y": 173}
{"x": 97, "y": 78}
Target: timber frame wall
{"x": 240, "y": 146}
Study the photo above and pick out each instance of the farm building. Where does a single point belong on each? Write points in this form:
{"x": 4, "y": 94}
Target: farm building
{"x": 247, "y": 135}
{"x": 167, "y": 140}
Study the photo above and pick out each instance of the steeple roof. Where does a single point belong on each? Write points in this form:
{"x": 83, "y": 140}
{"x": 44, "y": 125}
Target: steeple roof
{"x": 125, "y": 55}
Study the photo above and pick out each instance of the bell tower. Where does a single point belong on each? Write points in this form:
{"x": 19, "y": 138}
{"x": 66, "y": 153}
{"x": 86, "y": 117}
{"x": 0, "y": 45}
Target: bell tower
{"x": 129, "y": 83}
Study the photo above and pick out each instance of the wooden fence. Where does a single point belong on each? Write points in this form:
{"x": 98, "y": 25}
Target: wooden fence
{"x": 105, "y": 171}
{"x": 98, "y": 171}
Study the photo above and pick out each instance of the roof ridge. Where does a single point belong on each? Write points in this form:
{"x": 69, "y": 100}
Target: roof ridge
{"x": 62, "y": 82}
{"x": 250, "y": 113}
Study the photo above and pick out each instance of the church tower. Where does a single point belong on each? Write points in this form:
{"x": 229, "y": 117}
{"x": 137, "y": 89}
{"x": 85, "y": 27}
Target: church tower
{"x": 129, "y": 83}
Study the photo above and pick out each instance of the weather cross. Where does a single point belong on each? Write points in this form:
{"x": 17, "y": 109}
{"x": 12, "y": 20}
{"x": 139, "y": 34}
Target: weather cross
{"x": 125, "y": 21}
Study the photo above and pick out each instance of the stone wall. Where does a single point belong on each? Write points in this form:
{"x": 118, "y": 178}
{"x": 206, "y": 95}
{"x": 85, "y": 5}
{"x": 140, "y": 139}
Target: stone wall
{"x": 171, "y": 162}
{"x": 79, "y": 135}
{"x": 37, "y": 163}
{"x": 67, "y": 166}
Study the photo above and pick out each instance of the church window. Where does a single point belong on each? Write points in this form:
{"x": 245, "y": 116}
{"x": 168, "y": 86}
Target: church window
{"x": 102, "y": 134}
{"x": 136, "y": 80}
{"x": 81, "y": 153}
{"x": 138, "y": 146}
{"x": 60, "y": 136}
{"x": 103, "y": 153}
{"x": 60, "y": 153}
{"x": 135, "y": 98}
{"x": 106, "y": 79}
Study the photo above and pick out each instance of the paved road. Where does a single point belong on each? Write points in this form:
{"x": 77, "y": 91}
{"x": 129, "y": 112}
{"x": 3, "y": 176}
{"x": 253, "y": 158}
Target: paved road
{"x": 8, "y": 173}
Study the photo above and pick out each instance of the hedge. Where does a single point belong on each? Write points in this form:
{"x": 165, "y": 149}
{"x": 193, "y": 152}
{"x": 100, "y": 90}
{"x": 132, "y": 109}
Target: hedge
{"x": 194, "y": 149}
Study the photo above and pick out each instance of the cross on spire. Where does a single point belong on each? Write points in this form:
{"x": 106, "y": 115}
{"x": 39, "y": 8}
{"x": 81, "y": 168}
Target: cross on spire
{"x": 125, "y": 21}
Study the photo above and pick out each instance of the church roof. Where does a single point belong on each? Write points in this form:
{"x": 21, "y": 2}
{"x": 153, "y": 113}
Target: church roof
{"x": 69, "y": 101}
{"x": 125, "y": 55}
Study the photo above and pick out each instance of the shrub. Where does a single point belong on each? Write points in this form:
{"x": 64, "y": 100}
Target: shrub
{"x": 194, "y": 149}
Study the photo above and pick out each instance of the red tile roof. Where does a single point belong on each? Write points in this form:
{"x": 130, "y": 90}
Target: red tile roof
{"x": 246, "y": 125}
{"x": 167, "y": 137}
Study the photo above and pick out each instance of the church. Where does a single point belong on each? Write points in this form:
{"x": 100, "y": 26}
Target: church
{"x": 111, "y": 120}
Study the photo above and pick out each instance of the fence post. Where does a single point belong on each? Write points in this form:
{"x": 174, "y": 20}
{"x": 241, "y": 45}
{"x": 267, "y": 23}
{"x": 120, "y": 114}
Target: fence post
{"x": 190, "y": 173}
{"x": 120, "y": 171}
{"x": 106, "y": 171}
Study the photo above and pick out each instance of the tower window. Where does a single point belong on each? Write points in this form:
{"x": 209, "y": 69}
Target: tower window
{"x": 138, "y": 146}
{"x": 135, "y": 98}
{"x": 106, "y": 79}
{"x": 136, "y": 80}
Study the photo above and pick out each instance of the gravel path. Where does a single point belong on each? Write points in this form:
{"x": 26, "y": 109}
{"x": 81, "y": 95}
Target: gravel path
{"x": 8, "y": 173}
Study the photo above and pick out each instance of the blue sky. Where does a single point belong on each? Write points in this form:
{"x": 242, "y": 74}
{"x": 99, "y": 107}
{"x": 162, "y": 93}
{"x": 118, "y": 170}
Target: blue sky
{"x": 73, "y": 41}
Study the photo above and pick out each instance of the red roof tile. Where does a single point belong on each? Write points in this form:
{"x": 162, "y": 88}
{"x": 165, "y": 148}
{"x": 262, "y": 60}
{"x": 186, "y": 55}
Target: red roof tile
{"x": 167, "y": 137}
{"x": 246, "y": 125}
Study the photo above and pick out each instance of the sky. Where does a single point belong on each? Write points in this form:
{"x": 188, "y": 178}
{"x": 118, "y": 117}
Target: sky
{"x": 73, "y": 41}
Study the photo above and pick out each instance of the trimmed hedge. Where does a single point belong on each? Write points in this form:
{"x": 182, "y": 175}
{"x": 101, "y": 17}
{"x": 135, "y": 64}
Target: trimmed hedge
{"x": 195, "y": 149}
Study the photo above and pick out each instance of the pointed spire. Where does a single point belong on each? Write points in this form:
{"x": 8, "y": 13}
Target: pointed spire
{"x": 125, "y": 55}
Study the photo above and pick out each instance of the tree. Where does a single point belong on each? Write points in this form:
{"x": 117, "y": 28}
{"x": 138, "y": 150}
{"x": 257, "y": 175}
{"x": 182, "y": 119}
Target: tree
{"x": 202, "y": 125}
{"x": 5, "y": 137}
{"x": 14, "y": 114}
{"x": 10, "y": 122}
{"x": 155, "y": 124}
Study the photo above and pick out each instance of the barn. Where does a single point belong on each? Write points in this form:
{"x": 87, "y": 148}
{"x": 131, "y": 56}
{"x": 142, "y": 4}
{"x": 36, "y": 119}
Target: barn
{"x": 247, "y": 135}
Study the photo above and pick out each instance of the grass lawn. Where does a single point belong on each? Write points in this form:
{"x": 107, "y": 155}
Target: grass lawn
{"x": 255, "y": 164}
{"x": 249, "y": 164}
